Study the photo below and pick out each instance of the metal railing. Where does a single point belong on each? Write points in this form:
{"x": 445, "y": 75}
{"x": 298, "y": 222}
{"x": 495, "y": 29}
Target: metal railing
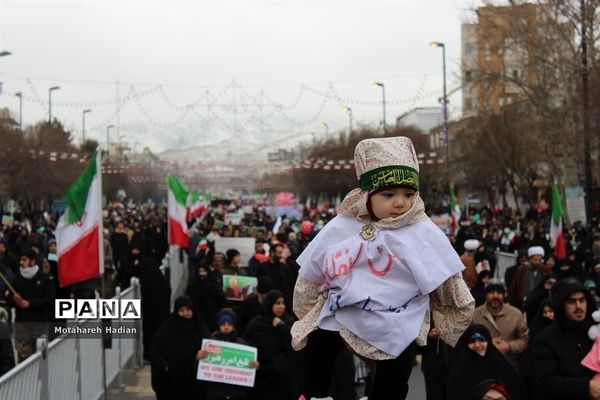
{"x": 72, "y": 367}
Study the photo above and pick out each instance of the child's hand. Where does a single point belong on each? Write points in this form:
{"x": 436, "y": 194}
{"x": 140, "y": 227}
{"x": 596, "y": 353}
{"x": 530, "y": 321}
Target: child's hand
{"x": 254, "y": 364}
{"x": 277, "y": 321}
{"x": 201, "y": 355}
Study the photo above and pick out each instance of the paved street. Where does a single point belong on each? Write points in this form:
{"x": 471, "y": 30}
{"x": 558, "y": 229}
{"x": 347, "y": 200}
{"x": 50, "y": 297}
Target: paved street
{"x": 136, "y": 385}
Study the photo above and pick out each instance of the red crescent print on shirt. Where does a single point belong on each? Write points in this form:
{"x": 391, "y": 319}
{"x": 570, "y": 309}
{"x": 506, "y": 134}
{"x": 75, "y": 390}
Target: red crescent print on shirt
{"x": 344, "y": 264}
{"x": 386, "y": 269}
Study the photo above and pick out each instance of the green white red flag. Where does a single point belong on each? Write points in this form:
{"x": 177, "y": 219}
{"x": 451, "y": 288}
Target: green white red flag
{"x": 79, "y": 238}
{"x": 199, "y": 204}
{"x": 556, "y": 224}
{"x": 455, "y": 212}
{"x": 177, "y": 214}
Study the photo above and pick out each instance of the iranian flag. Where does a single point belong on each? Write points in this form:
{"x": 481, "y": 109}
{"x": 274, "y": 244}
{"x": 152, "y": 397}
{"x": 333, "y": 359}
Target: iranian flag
{"x": 556, "y": 225}
{"x": 454, "y": 212}
{"x": 79, "y": 239}
{"x": 199, "y": 204}
{"x": 177, "y": 198}
{"x": 195, "y": 205}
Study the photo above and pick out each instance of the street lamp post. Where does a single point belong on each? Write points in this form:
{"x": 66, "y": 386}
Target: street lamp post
{"x": 121, "y": 148}
{"x": 445, "y": 99}
{"x": 83, "y": 125}
{"x": 324, "y": 125}
{"x": 108, "y": 128}
{"x": 587, "y": 161}
{"x": 133, "y": 154}
{"x": 53, "y": 88}
{"x": 445, "y": 111}
{"x": 20, "y": 96}
{"x": 382, "y": 86}
{"x": 349, "y": 111}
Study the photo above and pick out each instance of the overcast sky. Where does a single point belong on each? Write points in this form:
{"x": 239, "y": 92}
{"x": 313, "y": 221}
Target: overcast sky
{"x": 298, "y": 59}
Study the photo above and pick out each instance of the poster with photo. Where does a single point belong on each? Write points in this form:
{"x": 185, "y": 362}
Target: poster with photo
{"x": 238, "y": 287}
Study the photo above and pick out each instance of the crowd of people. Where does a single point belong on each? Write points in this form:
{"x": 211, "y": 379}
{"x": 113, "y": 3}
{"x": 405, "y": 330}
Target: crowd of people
{"x": 527, "y": 338}
{"x": 529, "y": 331}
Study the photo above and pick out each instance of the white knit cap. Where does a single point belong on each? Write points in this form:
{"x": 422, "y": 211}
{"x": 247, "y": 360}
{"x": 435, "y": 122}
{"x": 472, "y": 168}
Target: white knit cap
{"x": 536, "y": 251}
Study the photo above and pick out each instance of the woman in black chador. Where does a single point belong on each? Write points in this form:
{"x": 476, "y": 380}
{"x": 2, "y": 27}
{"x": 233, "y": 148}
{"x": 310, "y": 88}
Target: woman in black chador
{"x": 174, "y": 354}
{"x": 156, "y": 301}
{"x": 477, "y": 359}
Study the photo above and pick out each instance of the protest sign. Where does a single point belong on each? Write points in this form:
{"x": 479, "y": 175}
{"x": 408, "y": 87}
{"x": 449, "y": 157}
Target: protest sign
{"x": 227, "y": 363}
{"x": 238, "y": 287}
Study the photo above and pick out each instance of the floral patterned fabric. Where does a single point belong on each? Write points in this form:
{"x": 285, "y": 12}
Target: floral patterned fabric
{"x": 451, "y": 305}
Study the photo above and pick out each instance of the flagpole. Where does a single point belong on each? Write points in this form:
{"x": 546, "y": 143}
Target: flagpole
{"x": 101, "y": 261}
{"x": 101, "y": 223}
{"x": 168, "y": 224}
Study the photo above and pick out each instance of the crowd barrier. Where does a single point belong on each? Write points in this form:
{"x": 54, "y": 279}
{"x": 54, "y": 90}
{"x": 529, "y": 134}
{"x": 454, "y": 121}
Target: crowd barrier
{"x": 71, "y": 367}
{"x": 74, "y": 368}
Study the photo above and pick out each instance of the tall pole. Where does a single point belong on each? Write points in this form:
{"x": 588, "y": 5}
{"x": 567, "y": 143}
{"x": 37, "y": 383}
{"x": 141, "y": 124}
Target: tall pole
{"x": 83, "y": 125}
{"x": 107, "y": 142}
{"x": 20, "y": 96}
{"x": 444, "y": 111}
{"x": 349, "y": 111}
{"x": 382, "y": 86}
{"x": 121, "y": 148}
{"x": 324, "y": 125}
{"x": 133, "y": 154}
{"x": 587, "y": 162}
{"x": 53, "y": 88}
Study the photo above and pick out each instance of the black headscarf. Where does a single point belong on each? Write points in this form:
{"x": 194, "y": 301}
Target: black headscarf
{"x": 539, "y": 293}
{"x": 156, "y": 300}
{"x": 469, "y": 368}
{"x": 478, "y": 291}
{"x": 275, "y": 355}
{"x": 173, "y": 353}
{"x": 262, "y": 334}
{"x": 539, "y": 322}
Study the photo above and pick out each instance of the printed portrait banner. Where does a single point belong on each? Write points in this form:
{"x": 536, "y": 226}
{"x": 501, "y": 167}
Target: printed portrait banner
{"x": 227, "y": 363}
{"x": 7, "y": 220}
{"x": 238, "y": 287}
{"x": 234, "y": 219}
{"x": 244, "y": 245}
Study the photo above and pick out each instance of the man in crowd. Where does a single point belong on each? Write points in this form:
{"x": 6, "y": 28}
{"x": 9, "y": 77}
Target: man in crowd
{"x": 506, "y": 324}
{"x": 528, "y": 276}
{"x": 279, "y": 272}
{"x": 559, "y": 349}
{"x": 468, "y": 260}
{"x": 34, "y": 300}
{"x": 6, "y": 258}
